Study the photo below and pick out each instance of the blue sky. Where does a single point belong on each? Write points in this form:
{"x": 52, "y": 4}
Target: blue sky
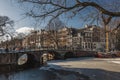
{"x": 14, "y": 12}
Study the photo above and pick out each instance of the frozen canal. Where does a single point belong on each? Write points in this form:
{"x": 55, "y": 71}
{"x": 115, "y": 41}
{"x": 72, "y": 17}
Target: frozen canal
{"x": 48, "y": 72}
{"x": 70, "y": 69}
{"x": 95, "y": 68}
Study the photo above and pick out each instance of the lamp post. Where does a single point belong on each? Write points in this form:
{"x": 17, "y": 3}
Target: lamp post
{"x": 7, "y": 39}
{"x": 7, "y": 43}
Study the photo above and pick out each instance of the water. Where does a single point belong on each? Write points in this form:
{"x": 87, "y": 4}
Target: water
{"x": 37, "y": 73}
{"x": 14, "y": 73}
{"x": 31, "y": 74}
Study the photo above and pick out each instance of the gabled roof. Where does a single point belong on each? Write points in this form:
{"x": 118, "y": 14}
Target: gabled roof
{"x": 88, "y": 27}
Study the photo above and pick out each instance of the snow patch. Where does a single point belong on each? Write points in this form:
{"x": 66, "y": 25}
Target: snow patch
{"x": 63, "y": 73}
{"x": 68, "y": 77}
{"x": 24, "y": 30}
{"x": 117, "y": 62}
{"x": 50, "y": 66}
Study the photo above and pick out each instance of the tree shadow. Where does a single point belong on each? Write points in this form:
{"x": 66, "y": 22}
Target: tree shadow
{"x": 72, "y": 59}
{"x": 68, "y": 73}
{"x": 38, "y": 74}
{"x": 97, "y": 74}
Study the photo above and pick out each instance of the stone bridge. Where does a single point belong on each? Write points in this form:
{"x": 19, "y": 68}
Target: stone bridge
{"x": 39, "y": 56}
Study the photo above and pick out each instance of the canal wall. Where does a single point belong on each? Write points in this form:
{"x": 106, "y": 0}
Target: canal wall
{"x": 38, "y": 56}
{"x": 12, "y": 58}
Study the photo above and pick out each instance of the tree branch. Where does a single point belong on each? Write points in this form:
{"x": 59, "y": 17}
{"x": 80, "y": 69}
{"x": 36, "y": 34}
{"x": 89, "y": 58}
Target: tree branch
{"x": 106, "y": 20}
{"x": 100, "y": 8}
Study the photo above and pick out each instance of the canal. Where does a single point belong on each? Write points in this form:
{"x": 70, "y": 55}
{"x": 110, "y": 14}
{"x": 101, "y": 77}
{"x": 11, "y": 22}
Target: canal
{"x": 47, "y": 72}
{"x": 12, "y": 73}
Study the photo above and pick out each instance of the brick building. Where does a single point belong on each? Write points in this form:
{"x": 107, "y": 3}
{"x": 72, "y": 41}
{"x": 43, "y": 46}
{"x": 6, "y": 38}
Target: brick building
{"x": 91, "y": 38}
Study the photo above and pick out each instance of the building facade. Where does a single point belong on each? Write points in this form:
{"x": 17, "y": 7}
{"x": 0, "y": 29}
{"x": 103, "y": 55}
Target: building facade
{"x": 90, "y": 38}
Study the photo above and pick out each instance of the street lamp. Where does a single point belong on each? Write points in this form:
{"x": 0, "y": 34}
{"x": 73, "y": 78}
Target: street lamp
{"x": 7, "y": 43}
{"x": 7, "y": 38}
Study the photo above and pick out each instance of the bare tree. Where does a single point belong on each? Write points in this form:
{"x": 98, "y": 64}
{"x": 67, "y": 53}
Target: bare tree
{"x": 114, "y": 37}
{"x": 118, "y": 39}
{"x": 89, "y": 10}
{"x": 94, "y": 9}
{"x": 59, "y": 7}
{"x": 6, "y": 26}
{"x": 106, "y": 21}
{"x": 52, "y": 29}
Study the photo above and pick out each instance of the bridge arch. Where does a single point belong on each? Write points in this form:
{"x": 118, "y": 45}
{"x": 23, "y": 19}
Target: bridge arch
{"x": 43, "y": 59}
{"x": 27, "y": 60}
{"x": 69, "y": 54}
{"x": 55, "y": 54}
{"x": 52, "y": 54}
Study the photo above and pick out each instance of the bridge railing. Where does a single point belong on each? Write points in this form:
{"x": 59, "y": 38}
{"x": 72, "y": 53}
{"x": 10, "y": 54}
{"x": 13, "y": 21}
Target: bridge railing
{"x": 42, "y": 48}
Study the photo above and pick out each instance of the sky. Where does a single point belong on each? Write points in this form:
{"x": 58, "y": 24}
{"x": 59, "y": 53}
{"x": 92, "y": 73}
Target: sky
{"x": 15, "y": 13}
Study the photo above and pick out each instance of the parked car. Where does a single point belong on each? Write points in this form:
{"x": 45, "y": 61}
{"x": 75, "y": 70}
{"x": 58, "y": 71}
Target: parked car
{"x": 107, "y": 55}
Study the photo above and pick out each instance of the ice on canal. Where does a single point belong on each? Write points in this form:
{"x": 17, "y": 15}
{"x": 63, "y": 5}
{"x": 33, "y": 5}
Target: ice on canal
{"x": 48, "y": 72}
